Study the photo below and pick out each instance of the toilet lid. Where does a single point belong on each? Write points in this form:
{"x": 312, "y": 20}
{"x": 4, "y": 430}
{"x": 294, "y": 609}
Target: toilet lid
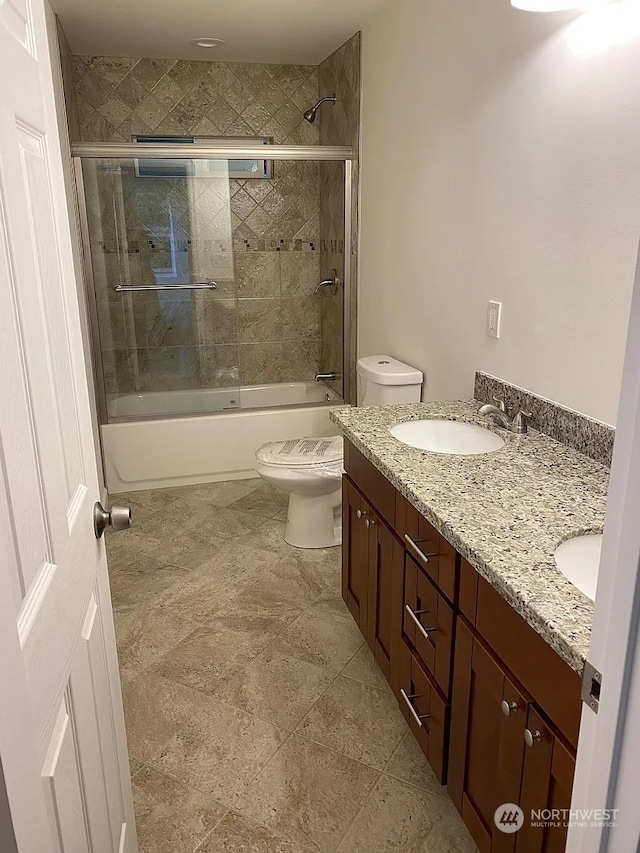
{"x": 302, "y": 452}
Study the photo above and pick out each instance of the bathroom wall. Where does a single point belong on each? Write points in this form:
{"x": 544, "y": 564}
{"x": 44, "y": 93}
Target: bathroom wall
{"x": 501, "y": 160}
{"x": 339, "y": 74}
{"x": 263, "y": 325}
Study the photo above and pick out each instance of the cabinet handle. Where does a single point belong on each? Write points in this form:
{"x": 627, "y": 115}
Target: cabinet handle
{"x": 361, "y": 513}
{"x": 509, "y": 708}
{"x": 414, "y": 616}
{"x": 424, "y": 558}
{"x": 370, "y": 522}
{"x": 416, "y": 716}
{"x": 532, "y": 738}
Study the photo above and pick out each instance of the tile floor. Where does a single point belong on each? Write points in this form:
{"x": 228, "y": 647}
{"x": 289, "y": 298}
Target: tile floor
{"x": 256, "y": 717}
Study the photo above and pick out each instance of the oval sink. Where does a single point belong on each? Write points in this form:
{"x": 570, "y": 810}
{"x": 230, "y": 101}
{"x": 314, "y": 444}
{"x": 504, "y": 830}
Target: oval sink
{"x": 440, "y": 436}
{"x": 579, "y": 560}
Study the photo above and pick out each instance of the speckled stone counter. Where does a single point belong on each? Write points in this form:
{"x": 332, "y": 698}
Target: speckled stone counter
{"x": 505, "y": 511}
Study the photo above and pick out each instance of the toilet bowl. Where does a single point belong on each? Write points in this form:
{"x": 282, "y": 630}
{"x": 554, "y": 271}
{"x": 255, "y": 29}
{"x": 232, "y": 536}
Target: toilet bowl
{"x": 310, "y": 471}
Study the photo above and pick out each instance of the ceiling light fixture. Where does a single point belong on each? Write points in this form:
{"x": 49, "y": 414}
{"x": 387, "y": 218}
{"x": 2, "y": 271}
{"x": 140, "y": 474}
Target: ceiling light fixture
{"x": 557, "y": 5}
{"x": 207, "y": 42}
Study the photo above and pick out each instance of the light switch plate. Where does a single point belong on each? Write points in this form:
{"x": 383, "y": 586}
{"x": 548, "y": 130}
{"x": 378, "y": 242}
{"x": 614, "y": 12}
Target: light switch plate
{"x": 494, "y": 315}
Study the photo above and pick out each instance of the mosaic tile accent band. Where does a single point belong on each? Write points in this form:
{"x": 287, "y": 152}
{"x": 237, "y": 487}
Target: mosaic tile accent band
{"x": 578, "y": 431}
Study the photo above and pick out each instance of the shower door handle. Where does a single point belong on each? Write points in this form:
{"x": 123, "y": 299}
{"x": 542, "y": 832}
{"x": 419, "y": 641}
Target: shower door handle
{"x": 119, "y": 518}
{"x": 197, "y": 285}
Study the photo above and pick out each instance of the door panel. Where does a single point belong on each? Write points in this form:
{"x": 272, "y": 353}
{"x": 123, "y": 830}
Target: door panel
{"x": 62, "y": 727}
{"x": 385, "y": 576}
{"x": 487, "y": 746}
{"x": 547, "y": 783}
{"x": 355, "y": 554}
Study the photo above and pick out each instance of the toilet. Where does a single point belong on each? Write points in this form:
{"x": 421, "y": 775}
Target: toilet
{"x": 310, "y": 469}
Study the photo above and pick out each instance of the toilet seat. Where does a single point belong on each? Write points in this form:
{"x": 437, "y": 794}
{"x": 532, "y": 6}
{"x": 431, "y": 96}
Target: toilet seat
{"x": 310, "y": 470}
{"x": 317, "y": 453}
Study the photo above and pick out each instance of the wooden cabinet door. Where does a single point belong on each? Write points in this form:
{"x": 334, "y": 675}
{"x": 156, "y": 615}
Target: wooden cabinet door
{"x": 355, "y": 553}
{"x": 385, "y": 592}
{"x": 487, "y": 747}
{"x": 546, "y": 784}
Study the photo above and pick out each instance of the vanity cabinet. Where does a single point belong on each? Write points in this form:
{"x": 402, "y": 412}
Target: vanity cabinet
{"x": 371, "y": 569}
{"x": 494, "y": 708}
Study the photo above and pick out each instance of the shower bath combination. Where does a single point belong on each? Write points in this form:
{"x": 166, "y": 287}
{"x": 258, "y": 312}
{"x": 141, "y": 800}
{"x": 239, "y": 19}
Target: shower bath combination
{"x": 310, "y": 115}
{"x": 179, "y": 361}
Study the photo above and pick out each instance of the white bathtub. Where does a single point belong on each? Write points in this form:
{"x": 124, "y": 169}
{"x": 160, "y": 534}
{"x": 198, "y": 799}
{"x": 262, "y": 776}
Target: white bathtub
{"x": 205, "y": 448}
{"x": 213, "y": 400}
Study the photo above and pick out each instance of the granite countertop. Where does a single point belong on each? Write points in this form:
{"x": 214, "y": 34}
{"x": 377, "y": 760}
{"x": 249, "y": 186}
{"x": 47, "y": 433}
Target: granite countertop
{"x": 505, "y": 511}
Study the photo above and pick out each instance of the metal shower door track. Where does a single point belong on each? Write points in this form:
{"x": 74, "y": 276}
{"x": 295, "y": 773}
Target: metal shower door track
{"x": 134, "y": 151}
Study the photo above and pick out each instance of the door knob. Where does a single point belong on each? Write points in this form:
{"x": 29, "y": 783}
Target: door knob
{"x": 508, "y": 708}
{"x": 370, "y": 523}
{"x": 119, "y": 518}
{"x": 532, "y": 738}
{"x": 361, "y": 513}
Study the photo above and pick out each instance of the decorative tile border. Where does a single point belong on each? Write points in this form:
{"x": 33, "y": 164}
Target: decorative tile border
{"x": 584, "y": 434}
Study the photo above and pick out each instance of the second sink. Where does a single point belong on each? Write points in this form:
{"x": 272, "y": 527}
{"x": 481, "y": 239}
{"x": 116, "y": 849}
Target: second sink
{"x": 443, "y": 436}
{"x": 579, "y": 561}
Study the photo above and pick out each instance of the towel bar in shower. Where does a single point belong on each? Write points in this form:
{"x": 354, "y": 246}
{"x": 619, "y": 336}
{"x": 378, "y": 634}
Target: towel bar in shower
{"x": 197, "y": 285}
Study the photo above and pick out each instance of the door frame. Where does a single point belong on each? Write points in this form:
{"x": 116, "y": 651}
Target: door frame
{"x": 607, "y": 770}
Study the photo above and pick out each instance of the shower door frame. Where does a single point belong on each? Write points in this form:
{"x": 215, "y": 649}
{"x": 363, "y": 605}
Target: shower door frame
{"x": 132, "y": 151}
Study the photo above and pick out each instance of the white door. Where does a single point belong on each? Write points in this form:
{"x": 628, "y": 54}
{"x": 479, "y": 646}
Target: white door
{"x": 62, "y": 742}
{"x": 607, "y": 769}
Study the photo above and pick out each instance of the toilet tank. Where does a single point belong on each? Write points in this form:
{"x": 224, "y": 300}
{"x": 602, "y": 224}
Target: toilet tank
{"x": 383, "y": 380}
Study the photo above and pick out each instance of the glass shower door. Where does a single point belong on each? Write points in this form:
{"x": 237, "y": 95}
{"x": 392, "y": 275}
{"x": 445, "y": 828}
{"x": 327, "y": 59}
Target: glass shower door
{"x": 161, "y": 248}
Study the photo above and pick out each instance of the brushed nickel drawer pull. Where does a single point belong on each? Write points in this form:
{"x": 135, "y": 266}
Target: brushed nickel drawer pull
{"x": 413, "y": 547}
{"x": 416, "y": 716}
{"x": 414, "y": 616}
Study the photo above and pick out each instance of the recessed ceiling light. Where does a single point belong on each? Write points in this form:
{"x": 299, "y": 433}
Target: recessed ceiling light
{"x": 207, "y": 42}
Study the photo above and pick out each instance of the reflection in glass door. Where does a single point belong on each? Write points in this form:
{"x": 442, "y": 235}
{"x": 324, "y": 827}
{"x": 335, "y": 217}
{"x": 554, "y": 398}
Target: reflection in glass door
{"x": 160, "y": 240}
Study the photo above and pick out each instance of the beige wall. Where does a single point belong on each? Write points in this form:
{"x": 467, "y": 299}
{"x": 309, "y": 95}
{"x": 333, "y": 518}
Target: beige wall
{"x": 499, "y": 163}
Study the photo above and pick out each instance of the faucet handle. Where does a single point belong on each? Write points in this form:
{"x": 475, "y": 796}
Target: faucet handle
{"x": 520, "y": 422}
{"x": 499, "y": 403}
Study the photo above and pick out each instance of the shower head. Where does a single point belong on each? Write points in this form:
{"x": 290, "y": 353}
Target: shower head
{"x": 310, "y": 115}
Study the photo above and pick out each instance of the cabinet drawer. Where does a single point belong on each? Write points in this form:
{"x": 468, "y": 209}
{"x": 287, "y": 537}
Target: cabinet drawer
{"x": 428, "y": 622}
{"x": 427, "y": 715}
{"x": 425, "y": 544}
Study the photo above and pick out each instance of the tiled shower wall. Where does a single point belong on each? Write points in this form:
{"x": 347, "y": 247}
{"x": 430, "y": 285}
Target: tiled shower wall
{"x": 266, "y": 323}
{"x": 340, "y": 125}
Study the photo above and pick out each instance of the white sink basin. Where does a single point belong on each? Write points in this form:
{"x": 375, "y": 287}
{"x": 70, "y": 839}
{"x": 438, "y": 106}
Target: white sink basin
{"x": 440, "y": 436}
{"x": 579, "y": 560}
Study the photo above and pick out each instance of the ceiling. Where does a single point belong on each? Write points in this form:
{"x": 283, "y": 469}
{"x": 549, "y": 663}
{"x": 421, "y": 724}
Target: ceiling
{"x": 282, "y": 31}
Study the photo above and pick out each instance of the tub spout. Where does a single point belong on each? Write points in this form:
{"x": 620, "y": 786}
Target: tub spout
{"x": 326, "y": 377}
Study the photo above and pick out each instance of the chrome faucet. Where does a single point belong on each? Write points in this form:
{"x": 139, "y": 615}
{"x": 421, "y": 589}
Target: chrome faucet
{"x": 332, "y": 282}
{"x": 326, "y": 377}
{"x": 498, "y": 413}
